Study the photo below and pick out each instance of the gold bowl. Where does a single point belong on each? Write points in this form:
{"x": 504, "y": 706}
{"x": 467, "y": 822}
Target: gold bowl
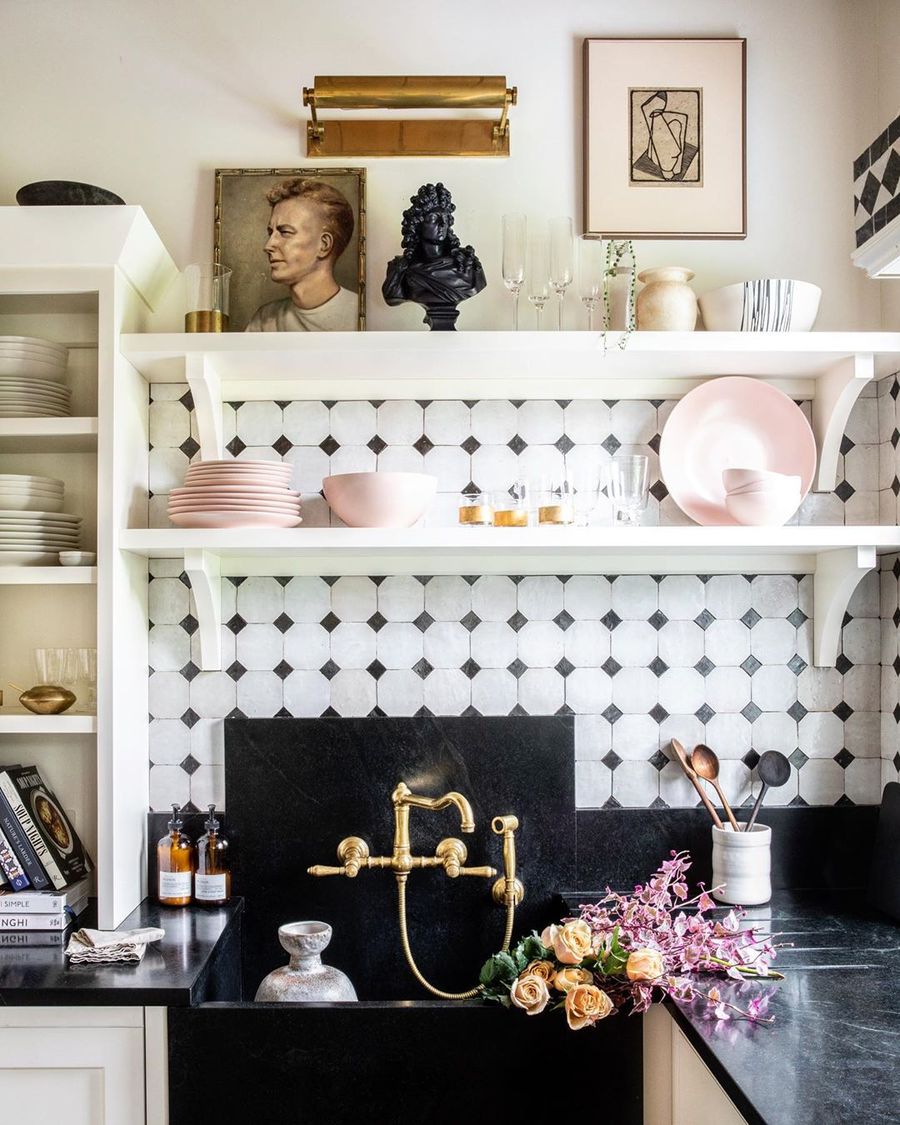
{"x": 47, "y": 699}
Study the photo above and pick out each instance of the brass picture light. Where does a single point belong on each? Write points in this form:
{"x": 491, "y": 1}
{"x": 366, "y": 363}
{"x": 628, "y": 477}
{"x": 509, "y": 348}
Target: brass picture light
{"x": 424, "y": 137}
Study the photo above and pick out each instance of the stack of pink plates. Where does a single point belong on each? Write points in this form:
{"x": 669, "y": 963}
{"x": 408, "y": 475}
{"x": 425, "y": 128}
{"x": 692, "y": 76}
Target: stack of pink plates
{"x": 236, "y": 494}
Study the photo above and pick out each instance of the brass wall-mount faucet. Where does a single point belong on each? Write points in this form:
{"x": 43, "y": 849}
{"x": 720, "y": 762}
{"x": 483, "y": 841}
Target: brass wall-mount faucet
{"x": 450, "y": 854}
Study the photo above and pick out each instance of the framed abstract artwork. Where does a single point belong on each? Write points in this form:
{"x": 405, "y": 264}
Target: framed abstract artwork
{"x": 665, "y": 138}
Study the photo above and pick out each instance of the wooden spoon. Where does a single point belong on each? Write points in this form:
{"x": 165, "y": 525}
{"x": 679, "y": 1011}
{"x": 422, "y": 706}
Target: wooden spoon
{"x": 706, "y": 765}
{"x": 692, "y": 777}
{"x": 773, "y": 770}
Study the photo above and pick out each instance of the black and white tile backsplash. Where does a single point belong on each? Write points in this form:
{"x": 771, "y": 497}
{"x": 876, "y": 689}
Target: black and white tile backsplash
{"x": 724, "y": 659}
{"x": 876, "y": 183}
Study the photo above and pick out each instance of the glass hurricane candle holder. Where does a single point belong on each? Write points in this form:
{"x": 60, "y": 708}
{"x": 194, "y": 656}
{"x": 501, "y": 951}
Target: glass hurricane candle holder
{"x": 476, "y": 510}
{"x": 557, "y": 504}
{"x": 512, "y": 508}
{"x": 206, "y": 297}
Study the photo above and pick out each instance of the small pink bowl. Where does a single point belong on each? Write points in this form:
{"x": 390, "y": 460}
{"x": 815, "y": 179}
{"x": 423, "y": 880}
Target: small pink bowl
{"x": 379, "y": 499}
{"x": 766, "y": 487}
{"x": 762, "y": 509}
{"x": 734, "y": 479}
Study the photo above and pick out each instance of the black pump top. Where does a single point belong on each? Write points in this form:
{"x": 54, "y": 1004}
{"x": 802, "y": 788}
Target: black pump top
{"x": 175, "y": 822}
{"x": 212, "y": 823}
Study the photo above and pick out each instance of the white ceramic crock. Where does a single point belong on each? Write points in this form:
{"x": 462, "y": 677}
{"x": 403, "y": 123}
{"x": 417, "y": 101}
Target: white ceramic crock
{"x": 742, "y": 861}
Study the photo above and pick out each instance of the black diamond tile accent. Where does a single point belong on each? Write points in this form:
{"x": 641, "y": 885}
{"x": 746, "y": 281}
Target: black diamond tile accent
{"x": 329, "y": 669}
{"x": 890, "y": 177}
{"x": 611, "y": 444}
{"x": 610, "y": 666}
{"x": 869, "y": 193}
{"x": 658, "y": 803}
{"x": 190, "y": 671}
{"x": 377, "y": 713}
{"x": 236, "y": 623}
{"x": 658, "y": 491}
{"x": 376, "y": 622}
{"x": 751, "y": 618}
{"x": 750, "y": 759}
{"x": 846, "y": 445}
{"x": 612, "y": 714}
{"x": 655, "y": 442}
{"x": 471, "y": 444}
{"x": 471, "y": 489}
{"x": 470, "y": 621}
{"x": 564, "y": 620}
{"x": 657, "y": 620}
{"x": 423, "y": 621}
{"x": 896, "y": 665}
{"x": 190, "y": 717}
{"x": 471, "y": 669}
{"x": 565, "y": 667}
{"x": 797, "y": 618}
{"x": 282, "y": 579}
{"x": 612, "y": 761}
{"x": 190, "y": 624}
{"x": 282, "y": 446}
{"x": 843, "y": 664}
{"x": 843, "y": 711}
{"x": 704, "y": 666}
{"x": 187, "y": 400}
{"x": 658, "y": 666}
{"x": 798, "y": 759}
{"x": 423, "y": 669}
{"x": 189, "y": 447}
{"x": 704, "y": 619}
{"x": 895, "y": 486}
{"x": 564, "y": 444}
{"x": 185, "y": 581}
{"x": 236, "y": 670}
{"x": 610, "y": 803}
{"x": 896, "y": 761}
{"x": 751, "y": 712}
{"x": 471, "y": 712}
{"x": 659, "y": 714}
{"x": 843, "y": 801}
{"x": 611, "y": 620}
{"x": 330, "y": 713}
{"x": 895, "y": 617}
{"x": 517, "y": 444}
{"x": 797, "y": 664}
{"x": 517, "y": 668}
{"x": 659, "y": 761}
{"x": 329, "y": 445}
{"x": 844, "y": 491}
{"x": 705, "y": 713}
{"x": 564, "y": 710}
{"x": 797, "y": 711}
{"x": 895, "y": 438}
{"x": 798, "y": 803}
{"x": 282, "y": 670}
{"x": 377, "y": 444}
{"x": 895, "y": 389}
{"x": 423, "y": 445}
{"x": 751, "y": 665}
{"x": 283, "y": 713}
{"x": 330, "y": 622}
{"x": 517, "y": 621}
{"x": 376, "y": 669}
{"x": 282, "y": 622}
{"x": 518, "y": 710}
{"x": 896, "y": 713}
{"x": 190, "y": 764}
{"x": 844, "y": 758}
{"x": 424, "y": 713}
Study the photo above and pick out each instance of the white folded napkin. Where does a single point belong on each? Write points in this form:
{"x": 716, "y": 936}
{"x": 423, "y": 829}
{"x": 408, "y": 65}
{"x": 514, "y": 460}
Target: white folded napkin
{"x": 110, "y": 946}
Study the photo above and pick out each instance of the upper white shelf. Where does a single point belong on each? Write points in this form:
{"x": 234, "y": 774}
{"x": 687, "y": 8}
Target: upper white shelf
{"x": 48, "y": 575}
{"x": 383, "y": 365}
{"x": 48, "y": 435}
{"x": 24, "y": 722}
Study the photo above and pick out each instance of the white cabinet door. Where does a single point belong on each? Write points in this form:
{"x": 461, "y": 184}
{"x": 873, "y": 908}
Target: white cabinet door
{"x": 94, "y": 1075}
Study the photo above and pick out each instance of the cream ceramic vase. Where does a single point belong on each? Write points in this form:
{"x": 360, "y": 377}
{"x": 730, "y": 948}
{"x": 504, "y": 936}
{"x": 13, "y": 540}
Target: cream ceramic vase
{"x": 666, "y": 303}
{"x": 742, "y": 865}
{"x": 305, "y": 978}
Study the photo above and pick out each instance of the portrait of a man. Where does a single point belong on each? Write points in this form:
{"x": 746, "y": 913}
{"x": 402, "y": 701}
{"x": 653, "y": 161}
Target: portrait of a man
{"x": 295, "y": 243}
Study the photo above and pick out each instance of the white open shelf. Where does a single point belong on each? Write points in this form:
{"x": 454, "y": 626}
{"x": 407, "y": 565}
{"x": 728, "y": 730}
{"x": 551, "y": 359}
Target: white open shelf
{"x": 837, "y": 556}
{"x": 48, "y": 575}
{"x": 25, "y": 722}
{"x": 831, "y": 368}
{"x": 48, "y": 435}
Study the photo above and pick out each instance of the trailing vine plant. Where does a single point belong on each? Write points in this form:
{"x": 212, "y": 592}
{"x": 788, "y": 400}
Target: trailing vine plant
{"x": 616, "y": 254}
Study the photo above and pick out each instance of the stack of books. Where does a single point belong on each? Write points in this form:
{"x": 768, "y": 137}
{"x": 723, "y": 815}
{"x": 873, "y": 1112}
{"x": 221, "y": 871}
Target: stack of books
{"x": 44, "y": 868}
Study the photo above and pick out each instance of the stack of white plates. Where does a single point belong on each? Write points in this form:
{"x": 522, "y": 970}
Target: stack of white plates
{"x": 33, "y": 538}
{"x": 236, "y": 494}
{"x": 31, "y": 494}
{"x": 31, "y": 378}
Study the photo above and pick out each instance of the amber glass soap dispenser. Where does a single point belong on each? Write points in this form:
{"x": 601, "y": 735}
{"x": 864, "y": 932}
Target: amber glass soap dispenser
{"x": 212, "y": 883}
{"x": 175, "y": 862}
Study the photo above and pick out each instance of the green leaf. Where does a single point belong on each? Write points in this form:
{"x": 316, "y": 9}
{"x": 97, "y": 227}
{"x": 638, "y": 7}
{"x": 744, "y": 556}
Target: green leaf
{"x": 534, "y": 949}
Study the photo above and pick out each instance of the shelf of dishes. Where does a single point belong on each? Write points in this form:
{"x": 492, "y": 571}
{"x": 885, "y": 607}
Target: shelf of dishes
{"x": 838, "y": 557}
{"x": 23, "y": 722}
{"x": 48, "y": 575}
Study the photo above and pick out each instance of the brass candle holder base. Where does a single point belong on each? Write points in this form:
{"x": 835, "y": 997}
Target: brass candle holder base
{"x": 478, "y": 514}
{"x": 511, "y": 517}
{"x": 206, "y": 320}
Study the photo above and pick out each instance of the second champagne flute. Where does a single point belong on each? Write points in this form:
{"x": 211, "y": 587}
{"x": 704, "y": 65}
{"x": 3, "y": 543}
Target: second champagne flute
{"x": 514, "y": 241}
{"x": 591, "y": 275}
{"x": 562, "y": 260}
{"x": 537, "y": 275}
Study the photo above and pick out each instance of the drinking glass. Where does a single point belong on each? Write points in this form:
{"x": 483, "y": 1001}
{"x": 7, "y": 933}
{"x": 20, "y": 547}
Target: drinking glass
{"x": 585, "y": 485}
{"x": 514, "y": 242}
{"x": 627, "y": 483}
{"x": 562, "y": 260}
{"x": 537, "y": 276}
{"x": 591, "y": 275}
{"x": 52, "y": 665}
{"x": 207, "y": 286}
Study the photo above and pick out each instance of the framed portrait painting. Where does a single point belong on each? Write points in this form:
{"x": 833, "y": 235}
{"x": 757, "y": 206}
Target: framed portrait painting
{"x": 665, "y": 138}
{"x": 295, "y": 241}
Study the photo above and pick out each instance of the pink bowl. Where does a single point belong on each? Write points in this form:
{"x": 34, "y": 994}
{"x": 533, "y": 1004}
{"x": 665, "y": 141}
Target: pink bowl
{"x": 767, "y": 488}
{"x": 379, "y": 499}
{"x": 739, "y": 478}
{"x": 762, "y": 509}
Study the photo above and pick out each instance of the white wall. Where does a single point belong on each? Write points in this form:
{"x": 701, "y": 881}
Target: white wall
{"x": 148, "y": 98}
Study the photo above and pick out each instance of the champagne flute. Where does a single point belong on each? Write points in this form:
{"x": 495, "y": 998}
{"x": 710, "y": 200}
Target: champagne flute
{"x": 514, "y": 241}
{"x": 537, "y": 276}
{"x": 591, "y": 271}
{"x": 562, "y": 260}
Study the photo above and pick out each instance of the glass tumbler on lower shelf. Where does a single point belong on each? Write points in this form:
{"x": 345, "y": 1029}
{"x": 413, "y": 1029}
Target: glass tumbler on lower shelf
{"x": 627, "y": 485}
{"x": 475, "y": 510}
{"x": 512, "y": 508}
{"x": 556, "y": 504}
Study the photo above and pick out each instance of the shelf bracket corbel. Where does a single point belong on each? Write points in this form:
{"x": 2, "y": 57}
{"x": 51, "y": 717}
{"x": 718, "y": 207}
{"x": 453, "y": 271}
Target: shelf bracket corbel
{"x": 204, "y": 574}
{"x": 837, "y": 575}
{"x": 206, "y": 391}
{"x": 836, "y": 393}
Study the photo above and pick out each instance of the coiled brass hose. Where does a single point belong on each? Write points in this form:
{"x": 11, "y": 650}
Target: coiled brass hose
{"x": 404, "y": 941}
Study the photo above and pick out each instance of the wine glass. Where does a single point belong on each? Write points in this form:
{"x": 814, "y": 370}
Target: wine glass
{"x": 537, "y": 276}
{"x": 591, "y": 274}
{"x": 627, "y": 484}
{"x": 514, "y": 241}
{"x": 562, "y": 260}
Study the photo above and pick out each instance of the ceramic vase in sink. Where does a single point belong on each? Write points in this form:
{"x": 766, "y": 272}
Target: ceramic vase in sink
{"x": 305, "y": 978}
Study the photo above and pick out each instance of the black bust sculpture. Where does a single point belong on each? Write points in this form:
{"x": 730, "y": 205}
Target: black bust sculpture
{"x": 433, "y": 270}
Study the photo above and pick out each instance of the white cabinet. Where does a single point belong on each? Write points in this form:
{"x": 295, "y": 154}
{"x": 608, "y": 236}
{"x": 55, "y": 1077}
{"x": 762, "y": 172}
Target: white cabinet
{"x": 84, "y": 1063}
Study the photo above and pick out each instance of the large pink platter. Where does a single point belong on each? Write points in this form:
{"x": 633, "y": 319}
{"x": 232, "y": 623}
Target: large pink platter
{"x": 220, "y": 503}
{"x": 260, "y": 490}
{"x": 232, "y": 519}
{"x": 233, "y": 462}
{"x": 732, "y": 423}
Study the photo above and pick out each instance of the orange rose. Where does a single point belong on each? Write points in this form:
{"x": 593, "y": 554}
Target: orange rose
{"x": 644, "y": 964}
{"x": 571, "y": 943}
{"x": 567, "y": 978}
{"x": 542, "y": 969}
{"x": 530, "y": 993}
{"x": 585, "y": 1004}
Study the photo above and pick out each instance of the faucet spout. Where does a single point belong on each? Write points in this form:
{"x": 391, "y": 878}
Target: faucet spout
{"x": 403, "y": 797}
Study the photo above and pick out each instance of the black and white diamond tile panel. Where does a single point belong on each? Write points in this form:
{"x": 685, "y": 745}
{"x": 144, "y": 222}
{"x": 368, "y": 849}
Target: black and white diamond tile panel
{"x": 723, "y": 659}
{"x": 486, "y": 445}
{"x": 876, "y": 183}
{"x": 889, "y": 450}
{"x": 890, "y": 669}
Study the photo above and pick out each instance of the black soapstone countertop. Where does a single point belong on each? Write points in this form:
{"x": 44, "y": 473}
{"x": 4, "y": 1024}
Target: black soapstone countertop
{"x": 197, "y": 960}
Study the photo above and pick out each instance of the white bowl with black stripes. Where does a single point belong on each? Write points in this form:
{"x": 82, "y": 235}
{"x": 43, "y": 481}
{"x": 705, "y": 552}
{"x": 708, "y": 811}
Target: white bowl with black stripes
{"x": 768, "y": 304}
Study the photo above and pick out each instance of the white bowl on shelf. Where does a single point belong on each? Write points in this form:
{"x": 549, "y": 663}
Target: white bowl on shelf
{"x": 735, "y": 479}
{"x": 762, "y": 509}
{"x": 768, "y": 304}
{"x": 77, "y": 558}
